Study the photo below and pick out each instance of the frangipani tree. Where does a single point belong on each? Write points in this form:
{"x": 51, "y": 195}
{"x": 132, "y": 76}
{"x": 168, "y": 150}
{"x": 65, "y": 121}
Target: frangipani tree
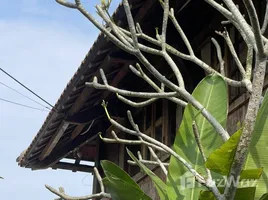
{"x": 203, "y": 148}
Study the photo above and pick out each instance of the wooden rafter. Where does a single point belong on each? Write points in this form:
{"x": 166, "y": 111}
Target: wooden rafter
{"x": 54, "y": 140}
{"x": 87, "y": 91}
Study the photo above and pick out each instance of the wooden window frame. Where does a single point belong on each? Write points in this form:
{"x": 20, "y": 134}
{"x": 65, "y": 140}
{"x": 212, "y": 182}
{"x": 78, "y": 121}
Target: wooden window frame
{"x": 161, "y": 121}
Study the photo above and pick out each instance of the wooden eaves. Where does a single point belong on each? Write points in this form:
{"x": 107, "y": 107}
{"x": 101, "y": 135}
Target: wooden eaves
{"x": 51, "y": 143}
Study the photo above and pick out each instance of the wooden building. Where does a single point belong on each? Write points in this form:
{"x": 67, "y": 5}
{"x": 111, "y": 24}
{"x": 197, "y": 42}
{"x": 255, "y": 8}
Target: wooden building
{"x": 71, "y": 129}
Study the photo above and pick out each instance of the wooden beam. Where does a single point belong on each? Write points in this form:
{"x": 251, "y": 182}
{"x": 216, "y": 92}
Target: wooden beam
{"x": 73, "y": 167}
{"x": 54, "y": 140}
{"x": 96, "y": 187}
{"x": 63, "y": 153}
{"x": 87, "y": 91}
{"x": 77, "y": 130}
{"x": 86, "y": 116}
{"x": 83, "y": 97}
{"x": 144, "y": 10}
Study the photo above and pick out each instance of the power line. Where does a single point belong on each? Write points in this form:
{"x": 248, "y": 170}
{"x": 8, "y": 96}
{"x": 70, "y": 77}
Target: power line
{"x": 24, "y": 95}
{"x": 26, "y": 87}
{"x": 22, "y": 105}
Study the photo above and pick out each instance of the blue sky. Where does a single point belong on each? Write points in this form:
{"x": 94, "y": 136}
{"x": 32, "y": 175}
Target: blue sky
{"x": 42, "y": 45}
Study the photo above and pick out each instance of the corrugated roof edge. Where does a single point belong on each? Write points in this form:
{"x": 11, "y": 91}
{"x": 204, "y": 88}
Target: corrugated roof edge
{"x": 25, "y": 154}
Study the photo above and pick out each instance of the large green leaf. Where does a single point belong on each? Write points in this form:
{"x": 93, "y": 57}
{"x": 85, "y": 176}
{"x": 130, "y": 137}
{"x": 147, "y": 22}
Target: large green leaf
{"x": 258, "y": 150}
{"x": 264, "y": 197}
{"x": 241, "y": 194}
{"x": 221, "y": 160}
{"x": 121, "y": 190}
{"x": 111, "y": 170}
{"x": 211, "y": 92}
{"x": 159, "y": 184}
{"x": 119, "y": 184}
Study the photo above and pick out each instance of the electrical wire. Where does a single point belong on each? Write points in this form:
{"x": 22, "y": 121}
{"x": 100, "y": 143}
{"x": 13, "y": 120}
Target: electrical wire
{"x": 26, "y": 88}
{"x": 24, "y": 95}
{"x": 22, "y": 105}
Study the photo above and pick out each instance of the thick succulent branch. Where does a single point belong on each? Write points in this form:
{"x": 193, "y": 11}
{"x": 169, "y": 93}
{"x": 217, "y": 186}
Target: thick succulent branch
{"x": 249, "y": 122}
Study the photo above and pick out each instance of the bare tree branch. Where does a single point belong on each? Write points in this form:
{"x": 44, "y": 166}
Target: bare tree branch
{"x": 147, "y": 138}
{"x": 255, "y": 26}
{"x": 129, "y": 41}
{"x": 67, "y": 4}
{"x": 102, "y": 194}
{"x": 249, "y": 122}
{"x": 162, "y": 166}
{"x": 147, "y": 162}
{"x": 219, "y": 55}
{"x": 130, "y": 142}
{"x": 198, "y": 141}
{"x": 136, "y": 104}
{"x": 249, "y": 62}
{"x": 229, "y": 43}
{"x": 265, "y": 21}
{"x": 105, "y": 86}
{"x": 142, "y": 75}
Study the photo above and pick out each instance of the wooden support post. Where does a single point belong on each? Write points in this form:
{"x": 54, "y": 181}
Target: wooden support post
{"x": 165, "y": 121}
{"x": 96, "y": 187}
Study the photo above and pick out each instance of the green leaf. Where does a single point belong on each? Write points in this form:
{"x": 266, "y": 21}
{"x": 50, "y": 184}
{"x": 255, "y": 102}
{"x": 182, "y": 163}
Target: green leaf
{"x": 119, "y": 184}
{"x": 211, "y": 92}
{"x": 256, "y": 166}
{"x": 251, "y": 174}
{"x": 159, "y": 184}
{"x": 241, "y": 194}
{"x": 112, "y": 171}
{"x": 258, "y": 156}
{"x": 121, "y": 190}
{"x": 220, "y": 161}
{"x": 264, "y": 197}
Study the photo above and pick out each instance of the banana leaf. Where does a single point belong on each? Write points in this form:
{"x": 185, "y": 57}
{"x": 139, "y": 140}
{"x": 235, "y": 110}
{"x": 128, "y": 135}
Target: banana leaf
{"x": 158, "y": 183}
{"x": 258, "y": 150}
{"x": 119, "y": 184}
{"x": 211, "y": 92}
{"x": 247, "y": 193}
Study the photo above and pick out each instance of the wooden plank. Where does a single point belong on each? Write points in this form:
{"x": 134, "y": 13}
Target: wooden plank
{"x": 83, "y": 97}
{"x": 63, "y": 153}
{"x": 77, "y": 130}
{"x": 165, "y": 122}
{"x": 73, "y": 167}
{"x": 84, "y": 117}
{"x": 144, "y": 10}
{"x": 54, "y": 140}
{"x": 87, "y": 91}
{"x": 96, "y": 187}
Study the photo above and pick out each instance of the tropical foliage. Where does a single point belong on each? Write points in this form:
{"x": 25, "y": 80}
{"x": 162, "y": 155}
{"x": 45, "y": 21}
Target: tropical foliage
{"x": 212, "y": 92}
{"x": 206, "y": 162}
